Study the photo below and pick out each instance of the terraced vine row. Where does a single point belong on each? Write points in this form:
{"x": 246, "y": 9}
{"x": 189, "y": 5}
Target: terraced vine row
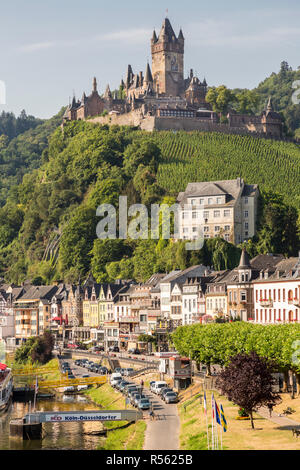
{"x": 191, "y": 157}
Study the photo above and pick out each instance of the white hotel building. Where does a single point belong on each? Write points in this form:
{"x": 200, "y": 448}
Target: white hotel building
{"x": 225, "y": 209}
{"x": 277, "y": 297}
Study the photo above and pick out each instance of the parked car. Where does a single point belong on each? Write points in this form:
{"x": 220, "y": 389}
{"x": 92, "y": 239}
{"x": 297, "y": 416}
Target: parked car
{"x": 85, "y": 376}
{"x": 113, "y": 349}
{"x": 115, "y": 378}
{"x": 171, "y": 397}
{"x": 134, "y": 351}
{"x": 144, "y": 404}
{"x": 132, "y": 394}
{"x": 103, "y": 370}
{"x": 128, "y": 371}
{"x": 122, "y": 385}
{"x": 137, "y": 398}
{"x": 78, "y": 362}
{"x": 118, "y": 370}
{"x": 129, "y": 388}
{"x": 157, "y": 386}
{"x": 165, "y": 390}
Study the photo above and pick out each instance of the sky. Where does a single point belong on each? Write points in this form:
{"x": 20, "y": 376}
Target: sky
{"x": 53, "y": 48}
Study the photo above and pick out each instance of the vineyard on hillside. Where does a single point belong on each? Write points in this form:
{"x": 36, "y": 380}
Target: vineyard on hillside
{"x": 191, "y": 157}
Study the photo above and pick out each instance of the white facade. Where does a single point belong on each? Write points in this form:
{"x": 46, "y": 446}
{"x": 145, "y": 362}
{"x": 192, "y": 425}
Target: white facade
{"x": 190, "y": 308}
{"x": 7, "y": 326}
{"x": 277, "y": 301}
{"x": 225, "y": 209}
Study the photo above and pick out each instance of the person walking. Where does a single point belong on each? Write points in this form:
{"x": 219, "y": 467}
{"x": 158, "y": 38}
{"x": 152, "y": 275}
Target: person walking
{"x": 142, "y": 386}
{"x": 270, "y": 407}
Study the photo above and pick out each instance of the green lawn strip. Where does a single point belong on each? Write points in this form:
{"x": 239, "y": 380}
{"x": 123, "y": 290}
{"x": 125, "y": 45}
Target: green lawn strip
{"x": 130, "y": 437}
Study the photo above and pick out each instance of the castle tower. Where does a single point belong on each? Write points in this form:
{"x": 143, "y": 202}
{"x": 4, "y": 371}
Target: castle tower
{"x": 168, "y": 61}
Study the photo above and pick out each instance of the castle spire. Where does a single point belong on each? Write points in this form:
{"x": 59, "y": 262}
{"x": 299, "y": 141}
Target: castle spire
{"x": 167, "y": 31}
{"x": 154, "y": 37}
{"x": 148, "y": 75}
{"x": 180, "y": 36}
{"x": 108, "y": 94}
{"x": 94, "y": 85}
{"x": 270, "y": 105}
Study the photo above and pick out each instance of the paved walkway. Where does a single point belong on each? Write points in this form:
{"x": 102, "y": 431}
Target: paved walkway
{"x": 162, "y": 433}
{"x": 278, "y": 419}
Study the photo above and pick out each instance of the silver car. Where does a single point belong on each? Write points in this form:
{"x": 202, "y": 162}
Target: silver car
{"x": 171, "y": 397}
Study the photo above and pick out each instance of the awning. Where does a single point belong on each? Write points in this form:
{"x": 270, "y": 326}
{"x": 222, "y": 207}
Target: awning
{"x": 3, "y": 366}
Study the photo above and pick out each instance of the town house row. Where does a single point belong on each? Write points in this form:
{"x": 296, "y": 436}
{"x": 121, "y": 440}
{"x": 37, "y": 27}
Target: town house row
{"x": 263, "y": 290}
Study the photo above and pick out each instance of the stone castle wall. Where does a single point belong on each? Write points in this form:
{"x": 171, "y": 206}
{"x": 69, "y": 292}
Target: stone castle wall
{"x": 150, "y": 123}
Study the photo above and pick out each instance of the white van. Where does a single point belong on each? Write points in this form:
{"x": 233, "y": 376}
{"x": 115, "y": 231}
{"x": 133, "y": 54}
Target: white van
{"x": 115, "y": 378}
{"x": 157, "y": 386}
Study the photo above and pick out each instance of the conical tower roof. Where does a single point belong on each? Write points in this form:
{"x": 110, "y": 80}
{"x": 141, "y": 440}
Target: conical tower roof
{"x": 180, "y": 36}
{"x": 148, "y": 74}
{"x": 154, "y": 36}
{"x": 244, "y": 261}
{"x": 167, "y": 30}
{"x": 270, "y": 105}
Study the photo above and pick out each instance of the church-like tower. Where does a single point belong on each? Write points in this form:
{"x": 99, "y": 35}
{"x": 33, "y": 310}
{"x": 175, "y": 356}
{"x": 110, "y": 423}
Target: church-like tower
{"x": 168, "y": 61}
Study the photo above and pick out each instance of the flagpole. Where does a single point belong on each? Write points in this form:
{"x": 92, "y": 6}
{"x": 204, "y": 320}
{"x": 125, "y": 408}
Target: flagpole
{"x": 205, "y": 408}
{"x": 212, "y": 423}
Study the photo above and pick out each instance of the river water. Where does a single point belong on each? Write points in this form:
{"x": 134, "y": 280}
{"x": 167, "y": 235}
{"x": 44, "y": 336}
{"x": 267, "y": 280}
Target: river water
{"x": 56, "y": 436}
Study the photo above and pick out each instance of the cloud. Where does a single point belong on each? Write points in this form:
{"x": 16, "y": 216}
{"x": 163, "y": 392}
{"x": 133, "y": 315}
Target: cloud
{"x": 231, "y": 34}
{"x": 38, "y": 46}
{"x": 129, "y": 36}
{"x": 133, "y": 36}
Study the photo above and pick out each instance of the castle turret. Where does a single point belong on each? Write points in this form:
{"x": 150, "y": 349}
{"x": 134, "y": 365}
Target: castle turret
{"x": 168, "y": 61}
{"x": 107, "y": 94}
{"x": 148, "y": 75}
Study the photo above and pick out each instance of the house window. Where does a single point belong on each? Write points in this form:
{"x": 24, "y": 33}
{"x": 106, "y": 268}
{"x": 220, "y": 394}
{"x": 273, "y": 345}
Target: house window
{"x": 246, "y": 201}
{"x": 246, "y": 214}
{"x": 227, "y": 213}
{"x": 227, "y": 228}
{"x": 206, "y": 214}
{"x": 219, "y": 200}
{"x": 206, "y": 229}
{"x": 194, "y": 215}
{"x": 217, "y": 228}
{"x": 210, "y": 201}
{"x": 217, "y": 214}
{"x": 201, "y": 201}
{"x": 246, "y": 226}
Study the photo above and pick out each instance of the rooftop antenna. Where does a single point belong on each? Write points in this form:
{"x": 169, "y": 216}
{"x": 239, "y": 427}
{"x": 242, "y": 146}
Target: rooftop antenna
{"x": 167, "y": 12}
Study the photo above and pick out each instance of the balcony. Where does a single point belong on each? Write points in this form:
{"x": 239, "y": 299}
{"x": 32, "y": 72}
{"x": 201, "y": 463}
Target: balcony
{"x": 266, "y": 303}
{"x": 295, "y": 302}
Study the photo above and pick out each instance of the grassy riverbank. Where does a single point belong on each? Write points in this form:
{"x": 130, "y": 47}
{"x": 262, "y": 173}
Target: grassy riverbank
{"x": 130, "y": 437}
{"x": 27, "y": 373}
{"x": 239, "y": 436}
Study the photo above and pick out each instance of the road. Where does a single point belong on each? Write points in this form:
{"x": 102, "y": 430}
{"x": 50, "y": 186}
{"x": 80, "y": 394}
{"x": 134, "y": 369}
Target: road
{"x": 161, "y": 433}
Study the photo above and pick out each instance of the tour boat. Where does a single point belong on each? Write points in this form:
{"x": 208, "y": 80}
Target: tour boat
{"x": 6, "y": 387}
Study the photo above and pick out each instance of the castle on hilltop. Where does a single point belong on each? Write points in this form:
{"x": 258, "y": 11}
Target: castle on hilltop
{"x": 163, "y": 99}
